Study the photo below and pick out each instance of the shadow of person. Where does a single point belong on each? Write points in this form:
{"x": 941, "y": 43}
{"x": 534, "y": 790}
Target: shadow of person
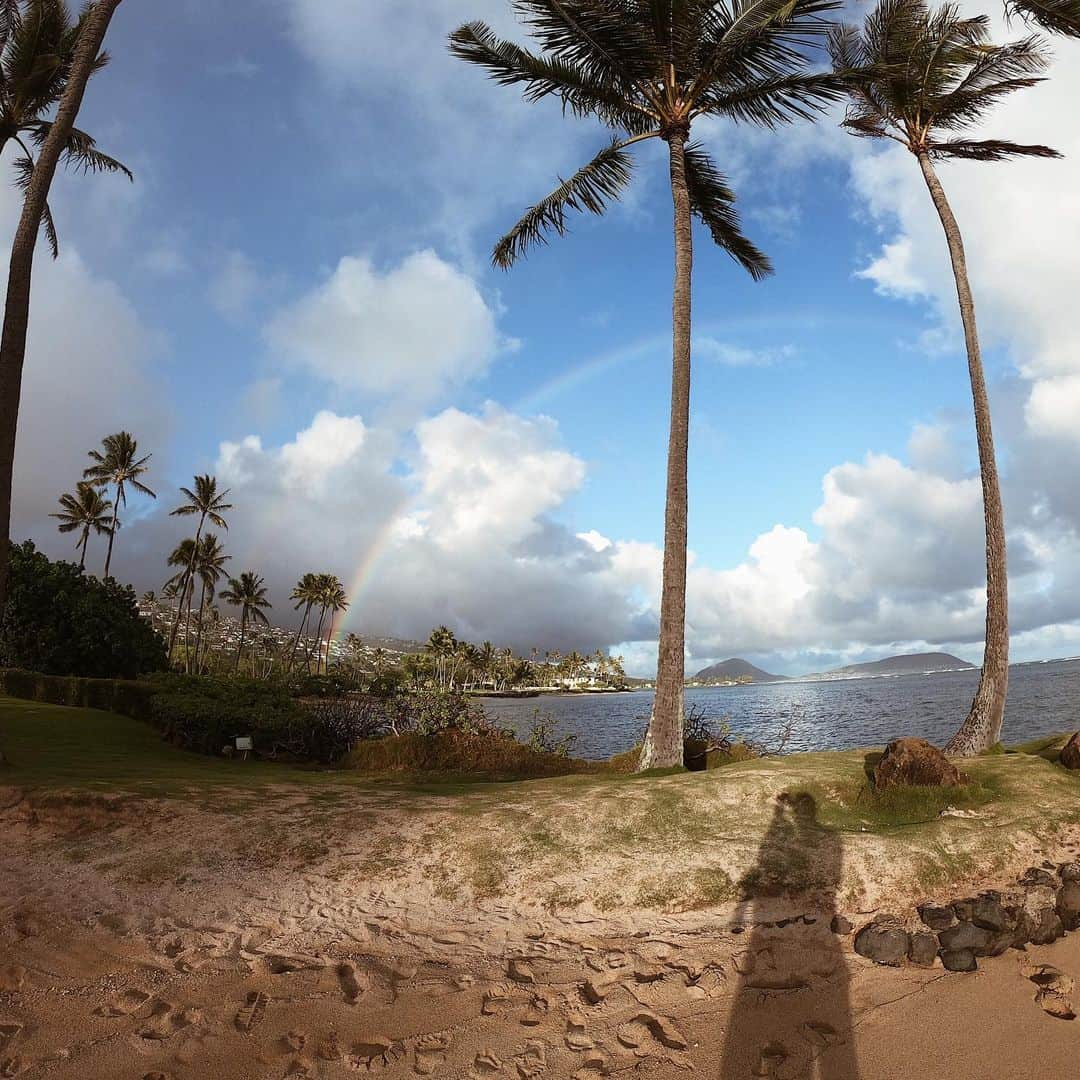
{"x": 791, "y": 1015}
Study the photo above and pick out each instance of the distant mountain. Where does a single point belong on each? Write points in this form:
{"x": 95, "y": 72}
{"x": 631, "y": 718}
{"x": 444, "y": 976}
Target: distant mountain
{"x": 910, "y": 664}
{"x": 735, "y": 670}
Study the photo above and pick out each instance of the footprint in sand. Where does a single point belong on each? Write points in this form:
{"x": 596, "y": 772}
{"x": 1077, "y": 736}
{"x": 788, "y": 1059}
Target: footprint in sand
{"x": 532, "y": 1061}
{"x": 646, "y": 1030}
{"x": 251, "y": 1014}
{"x": 772, "y": 1058}
{"x": 819, "y": 1034}
{"x": 430, "y": 1052}
{"x": 374, "y": 1052}
{"x": 164, "y": 1020}
{"x": 577, "y": 1037}
{"x": 294, "y": 1041}
{"x": 1054, "y": 994}
{"x": 8, "y": 1034}
{"x": 11, "y": 1066}
{"x": 498, "y": 998}
{"x": 486, "y": 1062}
{"x": 125, "y": 1004}
{"x": 353, "y": 982}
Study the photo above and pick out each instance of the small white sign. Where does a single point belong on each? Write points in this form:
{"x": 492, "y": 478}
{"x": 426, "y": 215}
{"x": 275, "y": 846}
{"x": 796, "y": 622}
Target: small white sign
{"x": 244, "y": 742}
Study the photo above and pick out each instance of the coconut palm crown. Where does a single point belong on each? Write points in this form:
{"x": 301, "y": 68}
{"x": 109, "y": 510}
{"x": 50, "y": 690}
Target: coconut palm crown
{"x": 649, "y": 69}
{"x": 84, "y": 511}
{"x": 118, "y": 463}
{"x": 922, "y": 78}
{"x": 37, "y": 46}
{"x": 1056, "y": 16}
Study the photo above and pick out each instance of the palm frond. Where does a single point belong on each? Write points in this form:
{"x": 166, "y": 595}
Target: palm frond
{"x": 1057, "y": 16}
{"x": 81, "y": 151}
{"x": 773, "y": 102}
{"x": 541, "y": 76}
{"x": 590, "y": 189}
{"x": 989, "y": 150}
{"x": 713, "y": 202}
{"x": 24, "y": 171}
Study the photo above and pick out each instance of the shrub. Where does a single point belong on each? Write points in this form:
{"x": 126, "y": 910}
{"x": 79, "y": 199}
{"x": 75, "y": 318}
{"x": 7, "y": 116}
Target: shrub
{"x": 457, "y": 753}
{"x": 544, "y": 738}
{"x": 113, "y": 695}
{"x": 207, "y": 714}
{"x": 61, "y": 622}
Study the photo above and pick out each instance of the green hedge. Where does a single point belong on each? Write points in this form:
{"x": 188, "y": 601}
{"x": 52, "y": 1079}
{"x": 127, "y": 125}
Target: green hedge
{"x": 112, "y": 695}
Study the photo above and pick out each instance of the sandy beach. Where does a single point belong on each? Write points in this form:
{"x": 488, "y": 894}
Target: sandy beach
{"x": 142, "y": 938}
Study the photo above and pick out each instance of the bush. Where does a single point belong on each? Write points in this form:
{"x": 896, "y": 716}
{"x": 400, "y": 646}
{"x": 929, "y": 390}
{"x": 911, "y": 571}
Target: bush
{"x": 457, "y": 753}
{"x": 207, "y": 714}
{"x": 61, "y": 622}
{"x": 113, "y": 695}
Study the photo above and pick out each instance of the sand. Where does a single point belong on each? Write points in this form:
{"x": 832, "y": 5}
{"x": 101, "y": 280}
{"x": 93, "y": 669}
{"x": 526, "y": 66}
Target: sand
{"x": 143, "y": 939}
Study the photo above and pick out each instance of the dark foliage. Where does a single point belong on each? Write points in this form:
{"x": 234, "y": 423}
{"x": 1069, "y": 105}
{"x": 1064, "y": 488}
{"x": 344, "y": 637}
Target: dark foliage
{"x": 112, "y": 695}
{"x": 61, "y": 622}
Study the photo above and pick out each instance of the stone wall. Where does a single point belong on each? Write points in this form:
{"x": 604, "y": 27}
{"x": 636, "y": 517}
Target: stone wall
{"x": 1040, "y": 908}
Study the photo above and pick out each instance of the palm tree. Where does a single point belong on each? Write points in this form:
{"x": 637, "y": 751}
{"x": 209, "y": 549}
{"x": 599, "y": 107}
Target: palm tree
{"x": 441, "y": 645}
{"x": 921, "y": 78}
{"x": 207, "y": 502}
{"x": 85, "y": 510}
{"x": 78, "y": 66}
{"x": 334, "y": 600}
{"x": 248, "y": 593}
{"x": 120, "y": 466}
{"x": 209, "y": 564}
{"x": 306, "y": 595}
{"x": 181, "y": 584}
{"x": 647, "y": 69}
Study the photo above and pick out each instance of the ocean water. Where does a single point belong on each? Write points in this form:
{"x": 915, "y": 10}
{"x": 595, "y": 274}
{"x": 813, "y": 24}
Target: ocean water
{"x": 835, "y": 715}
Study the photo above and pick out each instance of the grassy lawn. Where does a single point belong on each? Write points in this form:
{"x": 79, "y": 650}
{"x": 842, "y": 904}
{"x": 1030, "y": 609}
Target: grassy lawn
{"x": 52, "y": 746}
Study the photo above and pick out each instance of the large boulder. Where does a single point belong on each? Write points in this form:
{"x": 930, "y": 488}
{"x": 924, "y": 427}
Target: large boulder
{"x": 915, "y": 763}
{"x": 884, "y": 941}
{"x": 1070, "y": 754}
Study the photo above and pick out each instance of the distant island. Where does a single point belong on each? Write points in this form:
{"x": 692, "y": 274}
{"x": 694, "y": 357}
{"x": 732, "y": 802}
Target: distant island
{"x": 737, "y": 672}
{"x": 733, "y": 672}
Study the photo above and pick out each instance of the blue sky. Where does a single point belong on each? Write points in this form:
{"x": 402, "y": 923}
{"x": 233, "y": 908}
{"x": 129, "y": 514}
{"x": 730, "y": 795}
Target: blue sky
{"x": 492, "y": 444}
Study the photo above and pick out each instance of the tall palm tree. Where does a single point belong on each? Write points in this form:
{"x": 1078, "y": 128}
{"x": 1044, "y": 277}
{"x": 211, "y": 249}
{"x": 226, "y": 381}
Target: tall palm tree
{"x": 84, "y": 511}
{"x": 206, "y": 501}
{"x": 118, "y": 463}
{"x": 922, "y": 77}
{"x": 306, "y": 595}
{"x": 78, "y": 69}
{"x": 209, "y": 565}
{"x": 181, "y": 584}
{"x": 441, "y": 645}
{"x": 648, "y": 69}
{"x": 248, "y": 593}
{"x": 334, "y": 600}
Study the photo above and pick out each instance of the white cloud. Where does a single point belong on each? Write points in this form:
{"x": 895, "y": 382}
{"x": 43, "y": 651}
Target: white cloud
{"x": 413, "y": 330}
{"x": 722, "y": 352}
{"x": 1053, "y": 410}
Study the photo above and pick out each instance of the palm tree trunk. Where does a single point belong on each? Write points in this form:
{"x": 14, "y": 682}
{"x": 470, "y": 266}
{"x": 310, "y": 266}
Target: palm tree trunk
{"x": 82, "y": 548}
{"x": 296, "y": 640}
{"x": 982, "y": 728}
{"x": 240, "y": 647}
{"x": 329, "y": 638}
{"x": 190, "y": 571}
{"x": 20, "y": 271}
{"x": 318, "y": 640}
{"x": 112, "y": 528}
{"x": 198, "y": 633}
{"x": 664, "y": 740}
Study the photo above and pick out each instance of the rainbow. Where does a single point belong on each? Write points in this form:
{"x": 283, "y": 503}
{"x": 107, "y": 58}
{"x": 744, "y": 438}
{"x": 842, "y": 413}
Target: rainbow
{"x": 561, "y": 384}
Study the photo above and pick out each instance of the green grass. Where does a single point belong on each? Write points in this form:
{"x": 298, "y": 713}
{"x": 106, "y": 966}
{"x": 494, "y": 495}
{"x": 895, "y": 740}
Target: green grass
{"x": 52, "y": 746}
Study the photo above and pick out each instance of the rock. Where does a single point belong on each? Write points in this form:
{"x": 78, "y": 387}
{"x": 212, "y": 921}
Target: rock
{"x": 1054, "y": 989}
{"x": 521, "y": 972}
{"x": 959, "y": 960}
{"x": 998, "y": 943}
{"x": 1069, "y": 871}
{"x": 840, "y": 925}
{"x": 1068, "y": 904}
{"x": 883, "y": 942}
{"x": 936, "y": 917}
{"x": 964, "y": 936}
{"x": 1048, "y": 929}
{"x": 915, "y": 762}
{"x": 1070, "y": 753}
{"x": 1035, "y": 875}
{"x": 990, "y": 915}
{"x": 923, "y": 949}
